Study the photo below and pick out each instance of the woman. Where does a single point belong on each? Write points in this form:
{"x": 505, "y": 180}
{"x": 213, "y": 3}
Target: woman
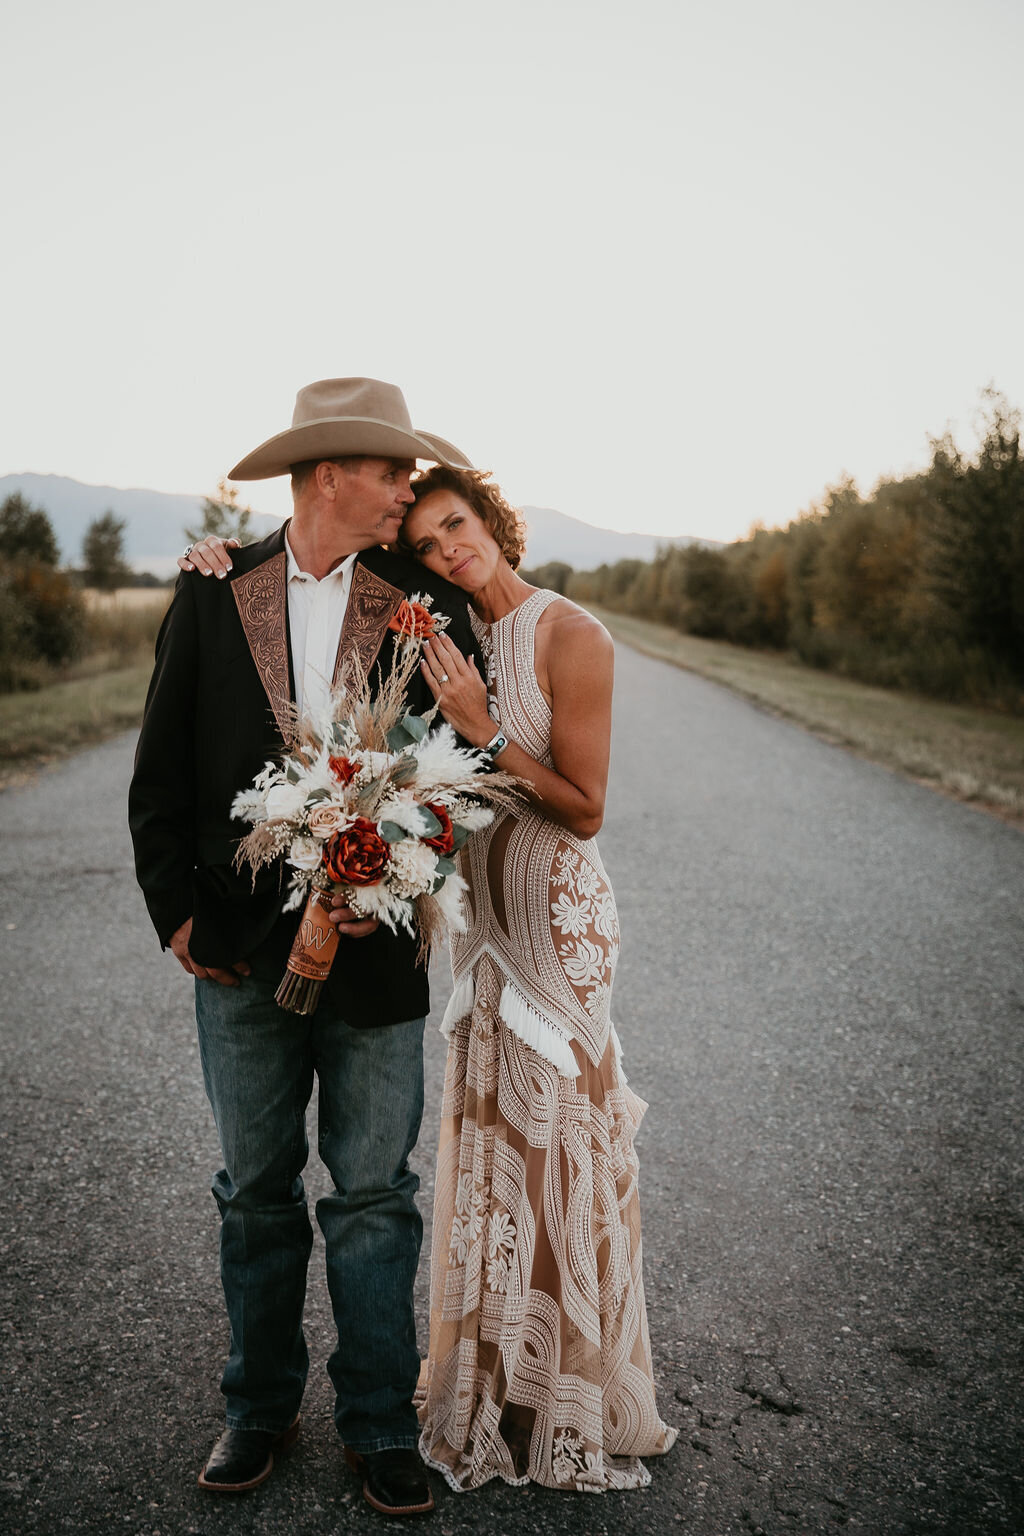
{"x": 540, "y": 1364}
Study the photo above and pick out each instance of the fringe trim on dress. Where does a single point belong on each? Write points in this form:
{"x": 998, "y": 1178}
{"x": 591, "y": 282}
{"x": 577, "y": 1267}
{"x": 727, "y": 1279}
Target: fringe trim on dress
{"x": 617, "y": 1047}
{"x": 536, "y": 1031}
{"x": 460, "y": 1004}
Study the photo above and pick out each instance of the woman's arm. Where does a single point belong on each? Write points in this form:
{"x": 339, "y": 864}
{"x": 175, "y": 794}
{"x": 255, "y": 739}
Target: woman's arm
{"x": 576, "y": 661}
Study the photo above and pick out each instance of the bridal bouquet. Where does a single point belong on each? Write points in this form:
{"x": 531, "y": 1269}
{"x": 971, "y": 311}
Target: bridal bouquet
{"x": 371, "y": 804}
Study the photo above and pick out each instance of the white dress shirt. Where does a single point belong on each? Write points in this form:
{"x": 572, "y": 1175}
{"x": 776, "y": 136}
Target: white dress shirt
{"x": 316, "y": 612}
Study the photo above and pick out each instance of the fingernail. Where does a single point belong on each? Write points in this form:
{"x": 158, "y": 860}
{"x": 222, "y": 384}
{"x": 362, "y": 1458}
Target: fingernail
{"x": 221, "y": 575}
{"x": 230, "y": 567}
{"x": 207, "y": 571}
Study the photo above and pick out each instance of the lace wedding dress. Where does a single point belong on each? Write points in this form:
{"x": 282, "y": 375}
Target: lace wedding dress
{"x": 540, "y": 1359}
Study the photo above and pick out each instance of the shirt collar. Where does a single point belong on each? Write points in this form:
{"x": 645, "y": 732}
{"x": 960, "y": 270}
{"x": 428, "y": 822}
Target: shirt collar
{"x": 294, "y": 569}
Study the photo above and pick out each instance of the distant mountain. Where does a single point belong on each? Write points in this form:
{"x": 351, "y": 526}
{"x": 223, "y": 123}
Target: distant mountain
{"x": 555, "y": 536}
{"x": 155, "y": 532}
{"x": 156, "y": 520}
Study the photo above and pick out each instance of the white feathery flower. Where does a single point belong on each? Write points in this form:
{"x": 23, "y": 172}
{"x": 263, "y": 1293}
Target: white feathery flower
{"x": 249, "y": 805}
{"x": 297, "y": 897}
{"x": 440, "y": 763}
{"x": 318, "y": 775}
{"x": 403, "y": 810}
{"x": 374, "y": 764}
{"x": 473, "y": 817}
{"x": 449, "y": 899}
{"x": 285, "y": 802}
{"x": 382, "y": 902}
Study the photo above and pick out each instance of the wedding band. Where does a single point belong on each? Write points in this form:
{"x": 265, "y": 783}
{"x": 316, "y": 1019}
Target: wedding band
{"x": 445, "y": 678}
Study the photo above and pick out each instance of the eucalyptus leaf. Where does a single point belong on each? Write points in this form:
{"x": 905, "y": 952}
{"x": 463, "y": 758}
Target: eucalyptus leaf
{"x": 415, "y": 725}
{"x": 391, "y": 832}
{"x": 291, "y": 774}
{"x": 429, "y": 822}
{"x": 317, "y": 794}
{"x": 398, "y": 737}
{"x": 460, "y": 837}
{"x": 446, "y": 866}
{"x": 367, "y": 797}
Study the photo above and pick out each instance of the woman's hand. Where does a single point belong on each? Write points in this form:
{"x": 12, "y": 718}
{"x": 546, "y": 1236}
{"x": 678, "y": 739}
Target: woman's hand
{"x": 209, "y": 556}
{"x": 459, "y": 689}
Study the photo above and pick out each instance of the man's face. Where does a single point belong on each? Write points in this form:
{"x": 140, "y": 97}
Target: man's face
{"x": 371, "y": 499}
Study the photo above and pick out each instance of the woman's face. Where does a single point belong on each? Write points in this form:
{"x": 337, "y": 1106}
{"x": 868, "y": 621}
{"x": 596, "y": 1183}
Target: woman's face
{"x": 449, "y": 538}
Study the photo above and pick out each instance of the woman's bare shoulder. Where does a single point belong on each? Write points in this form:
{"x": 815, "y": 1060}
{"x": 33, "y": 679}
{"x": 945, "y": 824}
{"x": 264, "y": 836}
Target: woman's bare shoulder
{"x": 570, "y": 624}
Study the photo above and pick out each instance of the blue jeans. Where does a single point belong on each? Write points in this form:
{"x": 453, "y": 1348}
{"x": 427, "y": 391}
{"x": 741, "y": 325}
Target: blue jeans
{"x": 258, "y": 1065}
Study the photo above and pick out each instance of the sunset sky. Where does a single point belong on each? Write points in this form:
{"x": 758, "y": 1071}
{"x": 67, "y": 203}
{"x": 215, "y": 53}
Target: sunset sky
{"x": 668, "y": 267}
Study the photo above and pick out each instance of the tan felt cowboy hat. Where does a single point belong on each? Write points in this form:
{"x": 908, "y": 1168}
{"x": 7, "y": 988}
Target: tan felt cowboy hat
{"x": 335, "y": 417}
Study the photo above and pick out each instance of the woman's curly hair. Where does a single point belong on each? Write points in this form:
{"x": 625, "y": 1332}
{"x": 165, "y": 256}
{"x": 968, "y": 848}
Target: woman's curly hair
{"x": 504, "y": 522}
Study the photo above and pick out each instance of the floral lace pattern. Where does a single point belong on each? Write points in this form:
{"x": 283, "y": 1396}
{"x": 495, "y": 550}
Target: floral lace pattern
{"x": 540, "y": 1364}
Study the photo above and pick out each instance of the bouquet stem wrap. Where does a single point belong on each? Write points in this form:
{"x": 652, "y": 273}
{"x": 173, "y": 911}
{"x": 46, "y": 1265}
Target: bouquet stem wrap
{"x": 311, "y": 958}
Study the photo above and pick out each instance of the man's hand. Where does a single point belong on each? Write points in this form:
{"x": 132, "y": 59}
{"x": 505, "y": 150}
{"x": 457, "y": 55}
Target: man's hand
{"x": 178, "y": 944}
{"x": 348, "y": 923}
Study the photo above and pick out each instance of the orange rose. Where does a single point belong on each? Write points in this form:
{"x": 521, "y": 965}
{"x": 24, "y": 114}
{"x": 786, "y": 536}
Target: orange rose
{"x": 443, "y": 841}
{"x": 357, "y": 856}
{"x": 413, "y": 621}
{"x": 343, "y": 768}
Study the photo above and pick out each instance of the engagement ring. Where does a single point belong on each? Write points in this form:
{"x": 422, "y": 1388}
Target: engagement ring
{"x": 444, "y": 677}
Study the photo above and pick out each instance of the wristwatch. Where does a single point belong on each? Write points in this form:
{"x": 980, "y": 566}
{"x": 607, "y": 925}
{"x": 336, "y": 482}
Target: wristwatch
{"x": 497, "y": 744}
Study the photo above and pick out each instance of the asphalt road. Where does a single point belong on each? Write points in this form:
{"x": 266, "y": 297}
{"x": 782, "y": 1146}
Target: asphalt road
{"x": 821, "y": 995}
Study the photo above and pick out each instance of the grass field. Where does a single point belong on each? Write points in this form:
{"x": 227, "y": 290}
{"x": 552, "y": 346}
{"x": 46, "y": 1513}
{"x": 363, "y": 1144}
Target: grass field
{"x": 39, "y": 727}
{"x": 100, "y": 694}
{"x": 975, "y": 754}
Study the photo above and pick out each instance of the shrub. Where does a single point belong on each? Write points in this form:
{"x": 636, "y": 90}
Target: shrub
{"x": 42, "y": 623}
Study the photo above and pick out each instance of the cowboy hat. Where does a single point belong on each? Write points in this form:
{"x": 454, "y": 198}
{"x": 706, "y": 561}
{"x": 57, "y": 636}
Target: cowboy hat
{"x": 336, "y": 417}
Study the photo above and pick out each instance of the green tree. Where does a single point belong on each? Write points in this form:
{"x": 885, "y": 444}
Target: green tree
{"x": 976, "y": 537}
{"x": 26, "y": 532}
{"x": 103, "y": 562}
{"x": 552, "y": 575}
{"x": 224, "y": 517}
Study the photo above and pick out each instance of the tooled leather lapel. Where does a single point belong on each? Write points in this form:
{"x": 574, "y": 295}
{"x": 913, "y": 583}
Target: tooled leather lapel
{"x": 372, "y": 603}
{"x": 261, "y": 598}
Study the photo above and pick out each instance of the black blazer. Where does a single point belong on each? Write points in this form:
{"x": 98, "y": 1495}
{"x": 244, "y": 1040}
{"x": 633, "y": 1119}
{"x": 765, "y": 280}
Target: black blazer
{"x": 216, "y": 712}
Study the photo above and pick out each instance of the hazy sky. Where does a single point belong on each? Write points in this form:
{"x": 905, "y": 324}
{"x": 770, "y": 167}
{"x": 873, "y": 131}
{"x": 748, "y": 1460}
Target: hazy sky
{"x": 669, "y": 267}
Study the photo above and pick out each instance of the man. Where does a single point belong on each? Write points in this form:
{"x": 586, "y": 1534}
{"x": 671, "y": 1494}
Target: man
{"x": 232, "y": 659}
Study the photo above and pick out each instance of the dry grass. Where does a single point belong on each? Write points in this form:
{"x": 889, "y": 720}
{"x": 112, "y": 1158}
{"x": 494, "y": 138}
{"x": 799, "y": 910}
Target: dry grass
{"x": 40, "y": 727}
{"x": 128, "y": 600}
{"x": 974, "y": 754}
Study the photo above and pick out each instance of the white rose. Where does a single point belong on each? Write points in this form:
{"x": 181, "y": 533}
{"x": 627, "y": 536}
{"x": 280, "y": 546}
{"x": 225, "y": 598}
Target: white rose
{"x": 305, "y": 853}
{"x": 285, "y": 802}
{"x": 325, "y": 819}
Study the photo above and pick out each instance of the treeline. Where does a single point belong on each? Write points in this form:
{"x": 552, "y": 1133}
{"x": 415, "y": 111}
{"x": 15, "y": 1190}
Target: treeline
{"x": 919, "y": 585}
{"x": 45, "y": 624}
